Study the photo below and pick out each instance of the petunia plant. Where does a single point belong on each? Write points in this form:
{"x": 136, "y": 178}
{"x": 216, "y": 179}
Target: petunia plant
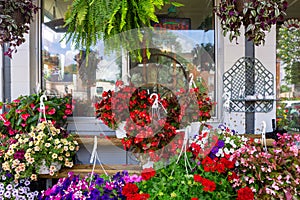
{"x": 93, "y": 186}
{"x": 45, "y": 146}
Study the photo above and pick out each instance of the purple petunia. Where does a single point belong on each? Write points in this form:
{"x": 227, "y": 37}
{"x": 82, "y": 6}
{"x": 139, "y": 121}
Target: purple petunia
{"x": 220, "y": 143}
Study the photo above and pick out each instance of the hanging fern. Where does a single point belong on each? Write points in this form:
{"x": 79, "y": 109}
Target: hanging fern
{"x": 91, "y": 20}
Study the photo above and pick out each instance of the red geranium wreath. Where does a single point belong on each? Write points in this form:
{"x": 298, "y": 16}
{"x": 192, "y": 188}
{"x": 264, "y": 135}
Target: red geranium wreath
{"x": 149, "y": 128}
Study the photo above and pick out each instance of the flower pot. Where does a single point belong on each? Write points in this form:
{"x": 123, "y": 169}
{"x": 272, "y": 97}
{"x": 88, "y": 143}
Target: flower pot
{"x": 43, "y": 169}
{"x": 120, "y": 132}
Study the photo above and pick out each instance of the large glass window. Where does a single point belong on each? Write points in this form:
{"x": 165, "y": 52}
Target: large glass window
{"x": 288, "y": 68}
{"x": 189, "y": 48}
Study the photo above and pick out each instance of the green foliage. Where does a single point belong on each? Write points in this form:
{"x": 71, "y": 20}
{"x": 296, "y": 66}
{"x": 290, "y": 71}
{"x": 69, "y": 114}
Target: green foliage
{"x": 173, "y": 182}
{"x": 288, "y": 49}
{"x": 91, "y": 20}
{"x": 24, "y": 113}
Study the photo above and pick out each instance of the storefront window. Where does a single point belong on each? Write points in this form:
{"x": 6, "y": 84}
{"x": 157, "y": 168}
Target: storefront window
{"x": 287, "y": 70}
{"x": 189, "y": 49}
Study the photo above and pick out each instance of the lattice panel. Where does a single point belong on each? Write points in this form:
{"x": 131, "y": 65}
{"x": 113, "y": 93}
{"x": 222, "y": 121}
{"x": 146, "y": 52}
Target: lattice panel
{"x": 249, "y": 81}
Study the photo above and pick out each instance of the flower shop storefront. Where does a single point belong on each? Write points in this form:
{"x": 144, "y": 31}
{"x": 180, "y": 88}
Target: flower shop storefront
{"x": 124, "y": 112}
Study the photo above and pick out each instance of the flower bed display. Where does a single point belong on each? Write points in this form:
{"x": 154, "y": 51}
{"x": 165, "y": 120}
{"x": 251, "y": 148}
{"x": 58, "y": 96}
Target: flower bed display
{"x": 234, "y": 167}
{"x": 90, "y": 187}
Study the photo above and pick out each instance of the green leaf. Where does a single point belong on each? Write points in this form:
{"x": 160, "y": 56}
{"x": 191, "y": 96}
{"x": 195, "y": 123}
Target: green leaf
{"x": 253, "y": 13}
{"x": 177, "y": 4}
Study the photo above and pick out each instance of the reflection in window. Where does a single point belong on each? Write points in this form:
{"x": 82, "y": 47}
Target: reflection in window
{"x": 189, "y": 46}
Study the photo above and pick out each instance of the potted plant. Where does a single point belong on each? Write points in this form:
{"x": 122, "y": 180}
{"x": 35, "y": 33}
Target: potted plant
{"x": 272, "y": 174}
{"x": 12, "y": 190}
{"x": 91, "y": 21}
{"x": 45, "y": 145}
{"x": 257, "y": 16}
{"x": 93, "y": 186}
{"x": 15, "y": 18}
{"x": 205, "y": 171}
{"x": 149, "y": 128}
{"x": 24, "y": 113}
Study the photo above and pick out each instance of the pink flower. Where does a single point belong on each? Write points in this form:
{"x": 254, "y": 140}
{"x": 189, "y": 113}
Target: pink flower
{"x": 68, "y": 112}
{"x": 11, "y": 132}
{"x": 269, "y": 191}
{"x": 18, "y": 111}
{"x": 294, "y": 149}
{"x": 23, "y": 124}
{"x": 6, "y": 123}
{"x": 275, "y": 186}
{"x": 68, "y": 106}
{"x": 52, "y": 111}
{"x": 25, "y": 116}
{"x": 16, "y": 101}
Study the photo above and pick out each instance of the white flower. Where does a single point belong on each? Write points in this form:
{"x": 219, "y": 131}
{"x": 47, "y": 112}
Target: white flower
{"x": 54, "y": 155}
{"x": 226, "y": 151}
{"x": 30, "y": 143}
{"x": 231, "y": 150}
{"x": 66, "y": 148}
{"x": 227, "y": 140}
{"x": 72, "y": 148}
{"x": 37, "y": 148}
{"x": 64, "y": 141}
{"x": 47, "y": 145}
{"x": 56, "y": 141}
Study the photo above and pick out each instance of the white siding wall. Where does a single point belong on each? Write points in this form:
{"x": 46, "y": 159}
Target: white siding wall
{"x": 267, "y": 56}
{"x": 20, "y": 66}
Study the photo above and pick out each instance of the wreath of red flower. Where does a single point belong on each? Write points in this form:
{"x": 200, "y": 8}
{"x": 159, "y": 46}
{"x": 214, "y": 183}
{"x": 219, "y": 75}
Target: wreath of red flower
{"x": 147, "y": 131}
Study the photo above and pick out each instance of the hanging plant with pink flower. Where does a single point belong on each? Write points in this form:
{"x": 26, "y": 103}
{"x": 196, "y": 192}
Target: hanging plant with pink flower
{"x": 24, "y": 113}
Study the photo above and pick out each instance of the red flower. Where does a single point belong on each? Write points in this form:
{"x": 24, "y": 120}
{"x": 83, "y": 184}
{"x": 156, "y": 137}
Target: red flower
{"x": 138, "y": 197}
{"x": 232, "y": 176}
{"x": 148, "y": 173}
{"x": 129, "y": 189}
{"x": 194, "y": 198}
{"x": 207, "y": 184}
{"x": 245, "y": 194}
